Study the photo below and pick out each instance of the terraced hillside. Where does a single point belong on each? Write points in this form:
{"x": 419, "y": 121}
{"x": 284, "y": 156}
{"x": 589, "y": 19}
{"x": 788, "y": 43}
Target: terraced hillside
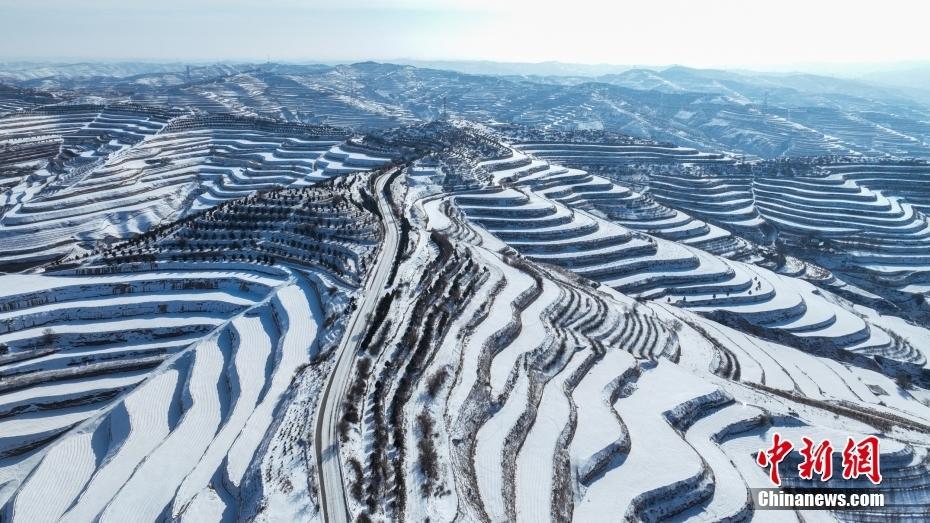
{"x": 579, "y": 189}
{"x": 497, "y": 386}
{"x": 911, "y": 182}
{"x": 864, "y": 220}
{"x": 171, "y": 375}
{"x": 222, "y": 312}
{"x": 653, "y": 268}
{"x": 678, "y": 194}
{"x": 13, "y": 98}
{"x": 113, "y": 173}
{"x": 880, "y": 240}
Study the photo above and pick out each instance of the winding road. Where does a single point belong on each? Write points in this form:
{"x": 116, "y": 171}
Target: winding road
{"x": 329, "y": 465}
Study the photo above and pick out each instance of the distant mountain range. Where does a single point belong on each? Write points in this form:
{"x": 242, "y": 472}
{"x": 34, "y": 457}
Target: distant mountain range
{"x": 756, "y": 114}
{"x": 909, "y": 78}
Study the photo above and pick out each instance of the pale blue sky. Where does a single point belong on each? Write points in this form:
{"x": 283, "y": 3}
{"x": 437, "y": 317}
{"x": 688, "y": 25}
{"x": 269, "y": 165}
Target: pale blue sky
{"x": 701, "y": 33}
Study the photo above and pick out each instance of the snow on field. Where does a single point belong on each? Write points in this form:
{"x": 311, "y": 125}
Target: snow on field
{"x": 489, "y": 451}
{"x": 166, "y": 387}
{"x": 204, "y": 413}
{"x": 601, "y": 433}
{"x": 658, "y": 391}
{"x": 730, "y": 497}
{"x": 500, "y": 314}
{"x": 533, "y": 479}
{"x": 504, "y": 361}
{"x": 141, "y": 423}
{"x": 160, "y": 173}
{"x": 554, "y": 344}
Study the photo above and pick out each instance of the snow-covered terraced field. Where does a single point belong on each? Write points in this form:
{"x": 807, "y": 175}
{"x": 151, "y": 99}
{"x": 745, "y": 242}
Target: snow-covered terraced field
{"x": 194, "y": 163}
{"x": 724, "y": 200}
{"x": 864, "y": 135}
{"x": 100, "y": 129}
{"x": 15, "y": 99}
{"x": 653, "y": 268}
{"x": 159, "y": 374}
{"x": 864, "y": 221}
{"x": 774, "y": 131}
{"x": 492, "y": 416}
{"x": 708, "y": 110}
{"x": 524, "y": 393}
{"x": 578, "y": 189}
{"x": 908, "y": 181}
{"x": 233, "y": 311}
{"x": 581, "y": 222}
{"x": 878, "y": 239}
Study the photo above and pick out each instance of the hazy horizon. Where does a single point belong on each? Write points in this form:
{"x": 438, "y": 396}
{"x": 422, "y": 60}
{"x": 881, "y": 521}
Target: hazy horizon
{"x": 823, "y": 37}
{"x": 839, "y": 70}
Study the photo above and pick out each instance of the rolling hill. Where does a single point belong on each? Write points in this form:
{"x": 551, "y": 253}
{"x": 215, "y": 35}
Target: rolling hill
{"x": 380, "y": 293}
